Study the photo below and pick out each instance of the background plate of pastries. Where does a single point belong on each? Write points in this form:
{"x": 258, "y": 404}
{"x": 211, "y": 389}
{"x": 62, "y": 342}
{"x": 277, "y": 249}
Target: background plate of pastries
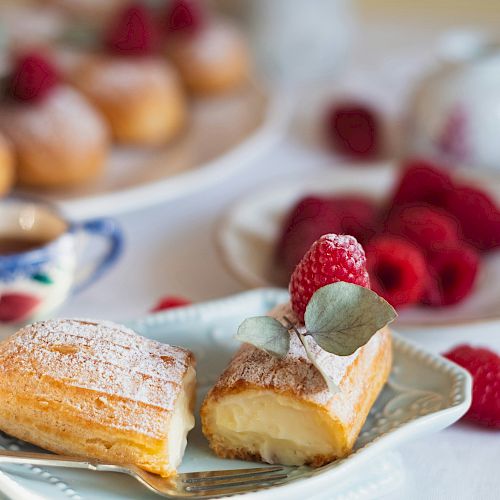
{"x": 424, "y": 393}
{"x": 108, "y": 110}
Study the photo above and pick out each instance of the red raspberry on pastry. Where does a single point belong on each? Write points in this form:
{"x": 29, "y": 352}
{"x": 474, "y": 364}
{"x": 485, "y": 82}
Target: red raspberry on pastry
{"x": 16, "y": 306}
{"x": 133, "y": 33}
{"x": 330, "y": 259}
{"x": 310, "y": 218}
{"x": 452, "y": 275}
{"x": 170, "y": 302}
{"x": 484, "y": 366}
{"x": 397, "y": 269}
{"x": 353, "y": 129}
{"x": 33, "y": 78}
{"x": 185, "y": 16}
{"x": 478, "y": 215}
{"x": 429, "y": 227}
{"x": 422, "y": 182}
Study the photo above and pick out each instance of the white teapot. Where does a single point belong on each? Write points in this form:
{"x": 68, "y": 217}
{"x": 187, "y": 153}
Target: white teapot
{"x": 454, "y": 115}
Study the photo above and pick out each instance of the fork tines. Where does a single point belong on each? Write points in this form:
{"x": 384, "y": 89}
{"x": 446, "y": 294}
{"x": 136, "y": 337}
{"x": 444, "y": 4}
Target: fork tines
{"x": 232, "y": 481}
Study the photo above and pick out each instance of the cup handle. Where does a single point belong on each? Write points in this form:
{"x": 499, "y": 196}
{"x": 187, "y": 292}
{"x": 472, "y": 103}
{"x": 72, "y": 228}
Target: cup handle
{"x": 109, "y": 230}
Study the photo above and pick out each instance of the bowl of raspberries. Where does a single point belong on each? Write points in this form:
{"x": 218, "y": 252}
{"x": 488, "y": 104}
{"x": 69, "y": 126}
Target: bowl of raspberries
{"x": 431, "y": 237}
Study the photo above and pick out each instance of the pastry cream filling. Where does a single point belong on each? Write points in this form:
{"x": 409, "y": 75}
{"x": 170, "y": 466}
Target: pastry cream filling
{"x": 181, "y": 421}
{"x": 282, "y": 430}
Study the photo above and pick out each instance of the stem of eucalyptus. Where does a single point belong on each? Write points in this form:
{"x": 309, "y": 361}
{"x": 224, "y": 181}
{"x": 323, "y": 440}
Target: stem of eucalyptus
{"x": 293, "y": 328}
{"x": 332, "y": 386}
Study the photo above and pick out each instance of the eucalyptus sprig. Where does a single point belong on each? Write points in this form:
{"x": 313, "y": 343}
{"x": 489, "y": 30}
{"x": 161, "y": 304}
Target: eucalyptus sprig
{"x": 340, "y": 317}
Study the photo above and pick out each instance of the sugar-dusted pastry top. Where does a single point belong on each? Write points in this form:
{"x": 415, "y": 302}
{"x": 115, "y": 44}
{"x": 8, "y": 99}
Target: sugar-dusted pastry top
{"x": 64, "y": 117}
{"x": 122, "y": 369}
{"x": 212, "y": 44}
{"x": 105, "y": 76}
{"x": 294, "y": 373}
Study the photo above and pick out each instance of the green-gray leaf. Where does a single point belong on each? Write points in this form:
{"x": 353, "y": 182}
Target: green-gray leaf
{"x": 342, "y": 317}
{"x": 265, "y": 333}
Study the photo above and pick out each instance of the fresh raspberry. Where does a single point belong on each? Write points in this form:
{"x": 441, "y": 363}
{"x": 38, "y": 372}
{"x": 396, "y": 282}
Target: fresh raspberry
{"x": 484, "y": 366}
{"x": 353, "y": 129}
{"x": 310, "y": 218}
{"x": 186, "y": 16}
{"x": 16, "y": 306}
{"x": 170, "y": 302}
{"x": 33, "y": 78}
{"x": 357, "y": 216}
{"x": 429, "y": 227}
{"x": 471, "y": 358}
{"x": 452, "y": 275}
{"x": 422, "y": 182}
{"x": 133, "y": 33}
{"x": 397, "y": 269}
{"x": 478, "y": 216}
{"x": 330, "y": 259}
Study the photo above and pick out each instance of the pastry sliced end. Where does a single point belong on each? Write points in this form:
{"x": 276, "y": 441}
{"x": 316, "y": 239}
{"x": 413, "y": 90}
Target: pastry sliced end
{"x": 274, "y": 428}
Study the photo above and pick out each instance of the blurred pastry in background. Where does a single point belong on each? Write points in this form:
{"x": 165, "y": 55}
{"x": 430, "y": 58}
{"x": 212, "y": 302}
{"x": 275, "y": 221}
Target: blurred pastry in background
{"x": 139, "y": 94}
{"x": 6, "y": 166}
{"x": 96, "y": 12}
{"x": 211, "y": 54}
{"x": 23, "y": 26}
{"x": 58, "y": 138}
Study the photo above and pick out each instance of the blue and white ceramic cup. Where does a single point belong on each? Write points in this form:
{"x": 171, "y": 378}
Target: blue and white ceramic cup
{"x": 41, "y": 258}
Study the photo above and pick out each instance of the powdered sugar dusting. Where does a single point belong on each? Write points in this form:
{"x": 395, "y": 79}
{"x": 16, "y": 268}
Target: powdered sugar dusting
{"x": 134, "y": 379}
{"x": 211, "y": 45}
{"x": 64, "y": 117}
{"x": 293, "y": 373}
{"x": 105, "y": 76}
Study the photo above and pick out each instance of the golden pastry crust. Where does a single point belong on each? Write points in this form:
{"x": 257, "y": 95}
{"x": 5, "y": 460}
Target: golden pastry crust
{"x": 62, "y": 141}
{"x": 213, "y": 61}
{"x": 6, "y": 166}
{"x": 294, "y": 379}
{"x": 97, "y": 389}
{"x": 142, "y": 99}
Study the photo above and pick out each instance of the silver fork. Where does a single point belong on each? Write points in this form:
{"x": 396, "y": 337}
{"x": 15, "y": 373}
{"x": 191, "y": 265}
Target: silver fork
{"x": 209, "y": 484}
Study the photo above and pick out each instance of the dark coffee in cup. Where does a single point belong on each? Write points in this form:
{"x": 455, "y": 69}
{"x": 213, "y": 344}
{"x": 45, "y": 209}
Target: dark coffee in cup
{"x": 10, "y": 244}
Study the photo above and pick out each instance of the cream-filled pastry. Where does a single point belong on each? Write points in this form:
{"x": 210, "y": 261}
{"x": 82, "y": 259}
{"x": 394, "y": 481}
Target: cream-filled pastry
{"x": 139, "y": 94}
{"x": 97, "y": 389}
{"x": 300, "y": 388}
{"x": 211, "y": 55}
{"x": 58, "y": 137}
{"x": 281, "y": 411}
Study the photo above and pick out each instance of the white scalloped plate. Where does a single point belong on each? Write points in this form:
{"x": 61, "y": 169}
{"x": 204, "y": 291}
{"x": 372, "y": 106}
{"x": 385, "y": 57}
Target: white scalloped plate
{"x": 224, "y": 134}
{"x": 247, "y": 234}
{"x": 425, "y": 393}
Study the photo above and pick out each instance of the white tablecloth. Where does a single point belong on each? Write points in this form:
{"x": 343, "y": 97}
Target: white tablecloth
{"x": 170, "y": 250}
